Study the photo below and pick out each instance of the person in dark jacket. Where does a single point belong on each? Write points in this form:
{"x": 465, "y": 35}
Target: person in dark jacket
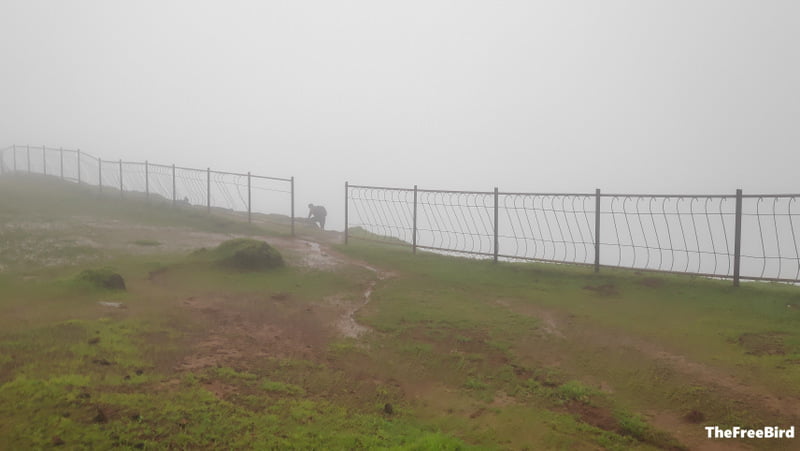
{"x": 317, "y": 214}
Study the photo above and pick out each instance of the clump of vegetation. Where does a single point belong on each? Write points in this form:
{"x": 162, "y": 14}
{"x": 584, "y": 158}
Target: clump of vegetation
{"x": 103, "y": 278}
{"x": 247, "y": 254}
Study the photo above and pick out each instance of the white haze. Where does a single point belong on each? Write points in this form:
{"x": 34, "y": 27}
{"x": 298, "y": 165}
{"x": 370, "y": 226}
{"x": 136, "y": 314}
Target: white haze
{"x": 626, "y": 96}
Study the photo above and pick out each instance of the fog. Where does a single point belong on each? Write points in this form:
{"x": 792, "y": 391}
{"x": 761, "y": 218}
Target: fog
{"x": 626, "y": 96}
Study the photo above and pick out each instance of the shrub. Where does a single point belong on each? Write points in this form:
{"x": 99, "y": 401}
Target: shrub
{"x": 247, "y": 254}
{"x": 103, "y": 278}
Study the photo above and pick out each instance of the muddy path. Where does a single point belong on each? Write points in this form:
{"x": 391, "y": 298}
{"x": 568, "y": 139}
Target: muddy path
{"x": 281, "y": 326}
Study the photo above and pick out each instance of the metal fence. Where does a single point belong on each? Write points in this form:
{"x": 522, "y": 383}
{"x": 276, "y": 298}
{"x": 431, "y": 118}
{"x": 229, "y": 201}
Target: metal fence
{"x": 735, "y": 236}
{"x": 221, "y": 191}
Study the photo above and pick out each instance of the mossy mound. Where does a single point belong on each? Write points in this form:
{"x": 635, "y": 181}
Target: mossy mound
{"x": 247, "y": 254}
{"x": 103, "y": 278}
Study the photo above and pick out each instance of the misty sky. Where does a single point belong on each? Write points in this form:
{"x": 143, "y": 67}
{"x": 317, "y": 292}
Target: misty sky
{"x": 627, "y": 96}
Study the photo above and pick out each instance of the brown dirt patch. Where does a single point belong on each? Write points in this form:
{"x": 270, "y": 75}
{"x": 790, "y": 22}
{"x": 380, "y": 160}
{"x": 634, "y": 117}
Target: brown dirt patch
{"x": 652, "y": 282}
{"x": 602, "y": 290}
{"x": 694, "y": 417}
{"x": 596, "y": 416}
{"x": 691, "y": 435}
{"x": 501, "y": 399}
{"x": 770, "y": 343}
{"x": 243, "y": 329}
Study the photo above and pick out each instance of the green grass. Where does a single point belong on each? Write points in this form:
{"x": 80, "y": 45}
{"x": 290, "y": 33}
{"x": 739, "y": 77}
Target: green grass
{"x": 467, "y": 353}
{"x": 617, "y": 341}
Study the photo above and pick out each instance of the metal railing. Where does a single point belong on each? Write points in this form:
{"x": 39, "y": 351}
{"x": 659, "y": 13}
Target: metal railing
{"x": 225, "y": 191}
{"x": 752, "y": 237}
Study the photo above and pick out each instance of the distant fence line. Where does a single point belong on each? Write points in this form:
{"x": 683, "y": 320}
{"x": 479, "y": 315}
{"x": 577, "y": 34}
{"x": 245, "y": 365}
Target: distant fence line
{"x": 737, "y": 236}
{"x": 237, "y": 192}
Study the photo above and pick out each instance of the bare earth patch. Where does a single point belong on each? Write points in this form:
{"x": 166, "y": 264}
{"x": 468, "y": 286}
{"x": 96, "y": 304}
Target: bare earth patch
{"x": 602, "y": 290}
{"x": 770, "y": 343}
{"x": 278, "y": 326}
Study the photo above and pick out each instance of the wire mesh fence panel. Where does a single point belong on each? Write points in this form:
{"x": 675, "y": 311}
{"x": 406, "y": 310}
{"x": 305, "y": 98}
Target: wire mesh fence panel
{"x": 134, "y": 177}
{"x": 686, "y": 234}
{"x": 88, "y": 169}
{"x": 53, "y": 161}
{"x": 70, "y": 164}
{"x": 6, "y": 160}
{"x": 159, "y": 182}
{"x": 229, "y": 191}
{"x": 691, "y": 234}
{"x": 272, "y": 196}
{"x": 109, "y": 175}
{"x": 456, "y": 221}
{"x": 547, "y": 227}
{"x": 381, "y": 214}
{"x": 190, "y": 186}
{"x": 770, "y": 233}
{"x": 33, "y": 160}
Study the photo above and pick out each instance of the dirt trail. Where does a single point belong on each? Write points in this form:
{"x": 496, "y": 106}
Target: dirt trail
{"x": 320, "y": 256}
{"x": 280, "y": 326}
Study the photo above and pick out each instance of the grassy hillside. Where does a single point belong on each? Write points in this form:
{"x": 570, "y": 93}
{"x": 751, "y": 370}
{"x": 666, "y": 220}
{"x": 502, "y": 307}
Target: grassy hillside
{"x": 364, "y": 346}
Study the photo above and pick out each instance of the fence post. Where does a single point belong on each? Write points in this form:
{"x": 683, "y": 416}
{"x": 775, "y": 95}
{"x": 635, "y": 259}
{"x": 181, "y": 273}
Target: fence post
{"x": 208, "y": 190}
{"x": 44, "y": 159}
{"x": 249, "y": 199}
{"x": 79, "y": 166}
{"x": 173, "y": 184}
{"x": 28, "y": 152}
{"x": 61, "y": 161}
{"x": 414, "y": 232}
{"x": 496, "y": 224}
{"x": 292, "y": 181}
{"x": 737, "y": 240}
{"x": 147, "y": 180}
{"x": 346, "y": 192}
{"x": 597, "y": 230}
{"x": 120, "y": 177}
{"x": 100, "y": 173}
{"x": 14, "y": 154}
